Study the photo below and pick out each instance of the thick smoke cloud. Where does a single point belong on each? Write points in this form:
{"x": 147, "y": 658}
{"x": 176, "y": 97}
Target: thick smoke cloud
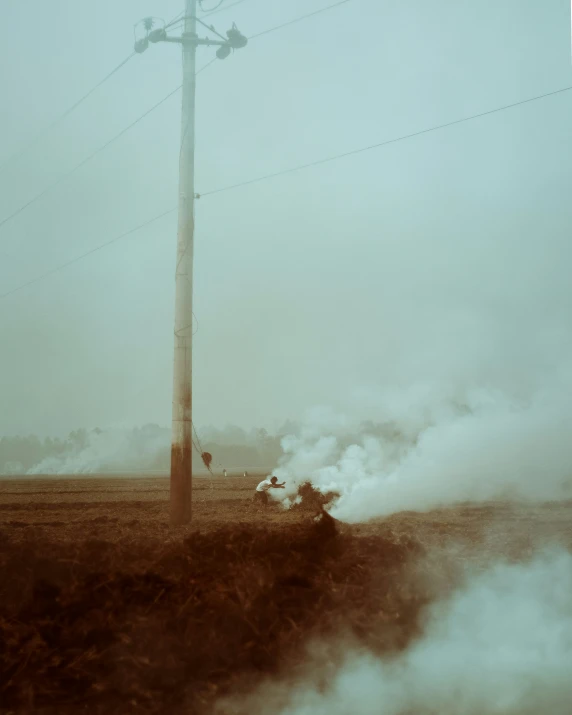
{"x": 435, "y": 447}
{"x": 500, "y": 644}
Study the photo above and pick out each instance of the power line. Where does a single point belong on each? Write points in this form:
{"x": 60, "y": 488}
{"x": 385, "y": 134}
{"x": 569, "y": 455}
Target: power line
{"x": 277, "y": 27}
{"x": 298, "y": 19}
{"x": 60, "y": 119}
{"x": 208, "y": 64}
{"x": 290, "y": 170}
{"x": 222, "y": 9}
{"x": 212, "y": 29}
{"x": 86, "y": 160}
{"x": 181, "y": 22}
{"x": 335, "y": 157}
{"x": 97, "y": 151}
{"x": 117, "y": 238}
{"x": 210, "y": 9}
{"x": 123, "y": 131}
{"x": 68, "y": 111}
{"x": 206, "y": 13}
{"x": 175, "y": 20}
{"x": 270, "y": 29}
{"x": 84, "y": 255}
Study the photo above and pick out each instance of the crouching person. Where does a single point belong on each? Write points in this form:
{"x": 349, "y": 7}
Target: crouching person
{"x": 261, "y": 492}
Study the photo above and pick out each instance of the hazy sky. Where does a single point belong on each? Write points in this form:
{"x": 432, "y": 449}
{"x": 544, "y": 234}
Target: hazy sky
{"x": 443, "y": 257}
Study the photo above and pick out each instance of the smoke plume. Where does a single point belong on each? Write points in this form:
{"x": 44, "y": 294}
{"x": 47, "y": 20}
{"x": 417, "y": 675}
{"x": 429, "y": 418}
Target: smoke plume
{"x": 500, "y": 644}
{"x": 435, "y": 447}
{"x": 147, "y": 449}
{"x": 114, "y": 450}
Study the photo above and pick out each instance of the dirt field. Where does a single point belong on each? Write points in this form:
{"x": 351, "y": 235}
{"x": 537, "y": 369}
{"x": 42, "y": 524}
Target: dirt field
{"x": 104, "y": 608}
{"x": 118, "y": 507}
{"x": 114, "y": 508}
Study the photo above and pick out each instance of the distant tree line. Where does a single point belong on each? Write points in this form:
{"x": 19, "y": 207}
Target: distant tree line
{"x": 19, "y": 454}
{"x": 147, "y": 447}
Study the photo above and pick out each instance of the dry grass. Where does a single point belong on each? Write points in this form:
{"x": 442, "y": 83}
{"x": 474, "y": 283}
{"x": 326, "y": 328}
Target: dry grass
{"x": 165, "y": 628}
{"x": 105, "y": 609}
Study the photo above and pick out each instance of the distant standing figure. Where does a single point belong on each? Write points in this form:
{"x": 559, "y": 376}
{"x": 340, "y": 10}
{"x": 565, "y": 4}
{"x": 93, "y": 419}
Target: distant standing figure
{"x": 261, "y": 492}
{"x": 224, "y": 472}
{"x": 245, "y": 473}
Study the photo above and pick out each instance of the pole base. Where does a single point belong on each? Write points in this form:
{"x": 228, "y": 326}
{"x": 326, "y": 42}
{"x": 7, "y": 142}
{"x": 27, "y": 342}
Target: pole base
{"x": 181, "y": 483}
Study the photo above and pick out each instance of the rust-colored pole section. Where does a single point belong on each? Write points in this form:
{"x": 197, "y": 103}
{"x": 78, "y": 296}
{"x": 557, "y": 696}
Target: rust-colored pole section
{"x": 182, "y": 438}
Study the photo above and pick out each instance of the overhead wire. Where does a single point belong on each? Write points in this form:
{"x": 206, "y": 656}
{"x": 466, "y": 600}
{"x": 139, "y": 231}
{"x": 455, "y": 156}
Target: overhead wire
{"x": 117, "y": 238}
{"x": 40, "y": 135}
{"x": 180, "y": 19}
{"x": 222, "y": 9}
{"x": 175, "y": 20}
{"x": 65, "y": 176}
{"x": 82, "y": 163}
{"x": 299, "y": 167}
{"x": 101, "y": 246}
{"x": 211, "y": 9}
{"x": 181, "y": 22}
{"x": 65, "y": 114}
{"x": 208, "y": 64}
{"x": 212, "y": 29}
{"x": 299, "y": 19}
{"x": 387, "y": 142}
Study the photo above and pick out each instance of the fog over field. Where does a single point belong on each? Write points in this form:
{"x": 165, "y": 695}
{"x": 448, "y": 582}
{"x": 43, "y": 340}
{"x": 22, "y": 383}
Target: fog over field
{"x": 437, "y": 266}
{"x": 381, "y": 319}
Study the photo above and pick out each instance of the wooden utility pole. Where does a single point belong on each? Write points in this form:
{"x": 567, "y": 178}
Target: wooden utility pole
{"x": 182, "y": 430}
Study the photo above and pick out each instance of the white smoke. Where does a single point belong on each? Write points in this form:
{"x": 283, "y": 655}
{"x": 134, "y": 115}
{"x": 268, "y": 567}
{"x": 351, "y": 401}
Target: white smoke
{"x": 501, "y": 645}
{"x": 114, "y": 450}
{"x": 147, "y": 448}
{"x": 436, "y": 448}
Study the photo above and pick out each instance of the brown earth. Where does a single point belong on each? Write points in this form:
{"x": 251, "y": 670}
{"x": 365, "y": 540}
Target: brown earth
{"x": 104, "y": 608}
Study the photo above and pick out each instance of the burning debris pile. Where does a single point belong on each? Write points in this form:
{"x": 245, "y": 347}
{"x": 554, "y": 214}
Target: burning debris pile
{"x": 311, "y": 499}
{"x": 149, "y": 626}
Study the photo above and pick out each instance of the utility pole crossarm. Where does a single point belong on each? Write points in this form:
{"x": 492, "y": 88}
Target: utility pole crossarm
{"x": 235, "y": 39}
{"x": 194, "y": 41}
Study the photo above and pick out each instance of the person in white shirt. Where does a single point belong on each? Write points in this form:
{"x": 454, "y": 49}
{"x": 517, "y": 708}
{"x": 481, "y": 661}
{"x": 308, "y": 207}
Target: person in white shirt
{"x": 261, "y": 492}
